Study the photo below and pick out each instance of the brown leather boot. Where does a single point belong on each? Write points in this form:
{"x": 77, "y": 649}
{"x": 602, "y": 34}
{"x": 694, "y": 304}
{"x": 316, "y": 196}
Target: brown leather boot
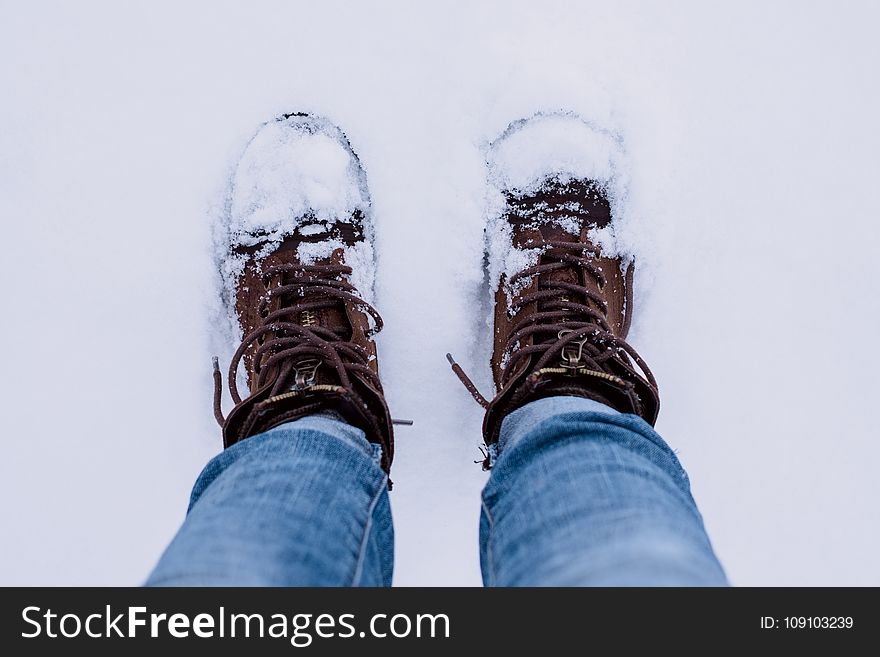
{"x": 299, "y": 268}
{"x": 562, "y": 307}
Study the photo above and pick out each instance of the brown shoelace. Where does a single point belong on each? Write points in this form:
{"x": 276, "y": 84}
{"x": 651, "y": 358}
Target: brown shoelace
{"x": 573, "y": 325}
{"x": 300, "y": 289}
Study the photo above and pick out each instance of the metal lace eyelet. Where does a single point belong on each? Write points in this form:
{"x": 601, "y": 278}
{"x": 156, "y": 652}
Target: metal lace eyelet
{"x": 305, "y": 373}
{"x": 572, "y": 353}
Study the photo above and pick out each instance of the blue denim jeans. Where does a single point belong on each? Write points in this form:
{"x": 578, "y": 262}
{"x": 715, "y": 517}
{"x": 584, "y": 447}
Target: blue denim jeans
{"x": 579, "y": 495}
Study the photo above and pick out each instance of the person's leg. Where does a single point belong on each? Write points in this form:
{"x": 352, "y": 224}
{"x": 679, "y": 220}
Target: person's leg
{"x": 299, "y": 496}
{"x": 583, "y": 491}
{"x": 304, "y": 504}
{"x": 581, "y": 494}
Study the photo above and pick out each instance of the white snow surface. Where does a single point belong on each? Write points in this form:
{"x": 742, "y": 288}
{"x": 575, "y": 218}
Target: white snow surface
{"x": 749, "y": 133}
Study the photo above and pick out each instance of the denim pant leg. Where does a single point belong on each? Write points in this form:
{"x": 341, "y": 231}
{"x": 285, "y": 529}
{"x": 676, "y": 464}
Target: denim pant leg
{"x": 305, "y": 504}
{"x": 583, "y": 495}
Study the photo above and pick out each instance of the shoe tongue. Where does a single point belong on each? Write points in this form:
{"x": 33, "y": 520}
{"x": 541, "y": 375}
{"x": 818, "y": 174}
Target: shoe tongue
{"x": 335, "y": 316}
{"x": 332, "y": 317}
{"x": 572, "y": 275}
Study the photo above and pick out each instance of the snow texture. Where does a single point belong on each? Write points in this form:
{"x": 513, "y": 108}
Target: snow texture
{"x": 749, "y": 139}
{"x": 553, "y": 145}
{"x": 294, "y": 168}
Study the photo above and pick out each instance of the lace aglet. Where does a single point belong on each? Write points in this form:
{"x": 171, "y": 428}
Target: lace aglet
{"x": 406, "y": 423}
{"x": 218, "y": 391}
{"x": 465, "y": 379}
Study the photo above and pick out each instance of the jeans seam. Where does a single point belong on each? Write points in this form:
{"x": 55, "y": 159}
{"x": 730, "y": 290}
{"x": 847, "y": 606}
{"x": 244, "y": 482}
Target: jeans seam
{"x": 365, "y": 539}
{"x": 490, "y": 559}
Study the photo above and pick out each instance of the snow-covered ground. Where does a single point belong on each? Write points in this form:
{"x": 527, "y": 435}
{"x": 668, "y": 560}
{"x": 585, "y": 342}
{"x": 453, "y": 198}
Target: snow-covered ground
{"x": 751, "y": 131}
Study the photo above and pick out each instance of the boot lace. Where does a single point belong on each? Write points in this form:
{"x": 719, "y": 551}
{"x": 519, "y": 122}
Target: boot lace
{"x": 574, "y": 332}
{"x": 290, "y": 345}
